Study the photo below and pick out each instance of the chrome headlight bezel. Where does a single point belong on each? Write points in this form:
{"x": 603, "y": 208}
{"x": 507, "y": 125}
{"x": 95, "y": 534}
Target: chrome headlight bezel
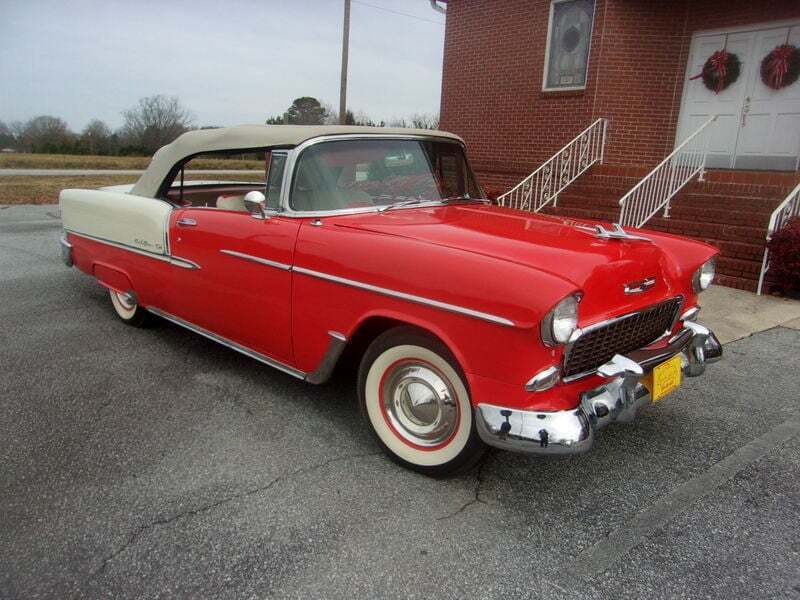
{"x": 561, "y": 322}
{"x": 704, "y": 276}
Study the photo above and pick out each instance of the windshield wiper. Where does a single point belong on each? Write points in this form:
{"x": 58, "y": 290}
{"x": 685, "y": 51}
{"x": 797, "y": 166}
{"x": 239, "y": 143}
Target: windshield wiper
{"x": 402, "y": 203}
{"x": 447, "y": 200}
{"x": 463, "y": 199}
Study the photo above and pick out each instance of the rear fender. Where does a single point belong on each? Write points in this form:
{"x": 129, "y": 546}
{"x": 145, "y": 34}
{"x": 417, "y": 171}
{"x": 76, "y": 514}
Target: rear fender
{"x": 112, "y": 278}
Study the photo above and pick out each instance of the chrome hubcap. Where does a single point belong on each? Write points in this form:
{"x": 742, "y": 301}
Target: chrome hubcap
{"x": 126, "y": 301}
{"x": 420, "y": 404}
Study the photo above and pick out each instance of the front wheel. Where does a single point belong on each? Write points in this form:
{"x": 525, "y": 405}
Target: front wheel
{"x": 414, "y": 397}
{"x": 128, "y": 310}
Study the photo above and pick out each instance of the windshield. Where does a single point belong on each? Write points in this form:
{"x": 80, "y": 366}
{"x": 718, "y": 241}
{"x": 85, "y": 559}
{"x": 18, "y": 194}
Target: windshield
{"x": 342, "y": 174}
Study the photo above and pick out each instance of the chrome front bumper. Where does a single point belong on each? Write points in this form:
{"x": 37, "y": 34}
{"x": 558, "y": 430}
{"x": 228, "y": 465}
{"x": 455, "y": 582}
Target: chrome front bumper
{"x": 618, "y": 400}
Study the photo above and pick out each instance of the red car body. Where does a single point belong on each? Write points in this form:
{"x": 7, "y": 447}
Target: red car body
{"x": 478, "y": 277}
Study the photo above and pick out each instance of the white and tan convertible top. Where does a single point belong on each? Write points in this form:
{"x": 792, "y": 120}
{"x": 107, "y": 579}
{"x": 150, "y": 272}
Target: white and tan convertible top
{"x": 246, "y": 137}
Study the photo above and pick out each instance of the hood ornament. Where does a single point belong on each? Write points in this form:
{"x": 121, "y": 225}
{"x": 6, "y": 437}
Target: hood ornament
{"x": 615, "y": 233}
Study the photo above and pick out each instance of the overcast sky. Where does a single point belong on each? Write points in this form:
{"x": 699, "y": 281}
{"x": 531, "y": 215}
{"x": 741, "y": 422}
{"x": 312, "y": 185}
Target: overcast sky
{"x": 230, "y": 62}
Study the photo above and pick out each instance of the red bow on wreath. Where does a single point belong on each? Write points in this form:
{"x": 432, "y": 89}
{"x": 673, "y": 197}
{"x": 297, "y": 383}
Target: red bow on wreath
{"x": 716, "y": 68}
{"x": 778, "y": 65}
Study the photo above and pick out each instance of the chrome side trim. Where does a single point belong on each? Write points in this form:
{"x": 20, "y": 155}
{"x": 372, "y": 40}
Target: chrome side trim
{"x": 184, "y": 263}
{"x": 336, "y": 346}
{"x": 230, "y": 344}
{"x": 257, "y": 259}
{"x": 174, "y": 260}
{"x": 409, "y": 297}
{"x": 188, "y": 264}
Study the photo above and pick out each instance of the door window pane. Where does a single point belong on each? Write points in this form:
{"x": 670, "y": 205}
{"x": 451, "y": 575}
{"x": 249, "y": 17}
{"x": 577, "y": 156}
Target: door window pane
{"x": 570, "y": 38}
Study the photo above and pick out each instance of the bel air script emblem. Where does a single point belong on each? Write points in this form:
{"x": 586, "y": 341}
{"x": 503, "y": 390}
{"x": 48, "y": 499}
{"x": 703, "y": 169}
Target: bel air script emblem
{"x": 637, "y": 287}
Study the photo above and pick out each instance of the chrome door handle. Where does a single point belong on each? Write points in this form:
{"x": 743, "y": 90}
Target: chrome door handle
{"x": 185, "y": 222}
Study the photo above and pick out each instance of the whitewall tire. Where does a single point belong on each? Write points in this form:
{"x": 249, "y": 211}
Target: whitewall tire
{"x": 127, "y": 309}
{"x": 415, "y": 399}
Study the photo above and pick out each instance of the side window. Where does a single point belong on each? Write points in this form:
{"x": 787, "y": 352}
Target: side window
{"x": 569, "y": 36}
{"x": 275, "y": 180}
{"x": 236, "y": 173}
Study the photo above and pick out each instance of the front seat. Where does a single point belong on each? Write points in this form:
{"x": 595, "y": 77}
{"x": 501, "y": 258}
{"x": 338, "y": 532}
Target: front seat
{"x": 232, "y": 203}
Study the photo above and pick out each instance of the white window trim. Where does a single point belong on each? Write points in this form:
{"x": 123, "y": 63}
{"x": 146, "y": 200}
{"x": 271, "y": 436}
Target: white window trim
{"x": 572, "y": 88}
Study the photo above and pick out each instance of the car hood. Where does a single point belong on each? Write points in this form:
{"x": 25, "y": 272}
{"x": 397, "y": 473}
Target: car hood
{"x": 559, "y": 246}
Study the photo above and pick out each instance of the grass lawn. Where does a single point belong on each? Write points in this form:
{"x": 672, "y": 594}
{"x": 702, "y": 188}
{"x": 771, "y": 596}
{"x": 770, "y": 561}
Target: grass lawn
{"x": 45, "y": 189}
{"x": 72, "y": 161}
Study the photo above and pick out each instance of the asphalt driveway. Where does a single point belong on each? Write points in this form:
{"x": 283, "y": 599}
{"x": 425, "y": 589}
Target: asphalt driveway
{"x": 155, "y": 463}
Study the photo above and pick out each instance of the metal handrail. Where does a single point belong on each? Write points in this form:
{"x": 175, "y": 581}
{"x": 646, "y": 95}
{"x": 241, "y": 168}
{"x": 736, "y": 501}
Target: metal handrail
{"x": 542, "y": 186}
{"x": 658, "y": 187}
{"x": 786, "y": 210}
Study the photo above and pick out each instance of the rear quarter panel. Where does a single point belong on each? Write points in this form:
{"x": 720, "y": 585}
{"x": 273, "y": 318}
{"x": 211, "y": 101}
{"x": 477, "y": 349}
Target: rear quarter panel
{"x": 113, "y": 216}
{"x": 93, "y": 217}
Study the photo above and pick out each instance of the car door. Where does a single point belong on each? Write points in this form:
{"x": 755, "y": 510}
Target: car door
{"x": 242, "y": 288}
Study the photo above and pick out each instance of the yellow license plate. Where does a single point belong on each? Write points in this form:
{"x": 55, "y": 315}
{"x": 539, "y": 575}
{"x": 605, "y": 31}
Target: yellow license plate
{"x": 665, "y": 378}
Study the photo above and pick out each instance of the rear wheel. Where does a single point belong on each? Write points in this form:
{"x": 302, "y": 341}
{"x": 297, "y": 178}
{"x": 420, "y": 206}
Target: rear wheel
{"x": 414, "y": 397}
{"x": 128, "y": 310}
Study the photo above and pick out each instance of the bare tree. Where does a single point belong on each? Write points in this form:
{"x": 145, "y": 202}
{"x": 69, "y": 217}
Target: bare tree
{"x": 398, "y": 122}
{"x": 331, "y": 116}
{"x": 417, "y": 121}
{"x": 96, "y": 137}
{"x": 425, "y": 121}
{"x": 7, "y": 139}
{"x": 46, "y": 133}
{"x": 154, "y": 122}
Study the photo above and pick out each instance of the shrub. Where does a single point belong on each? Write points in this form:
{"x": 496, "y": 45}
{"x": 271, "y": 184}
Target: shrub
{"x": 784, "y": 258}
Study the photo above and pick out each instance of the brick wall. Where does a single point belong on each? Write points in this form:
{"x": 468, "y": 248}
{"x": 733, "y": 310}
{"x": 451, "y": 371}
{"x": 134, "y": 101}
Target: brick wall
{"x": 494, "y": 60}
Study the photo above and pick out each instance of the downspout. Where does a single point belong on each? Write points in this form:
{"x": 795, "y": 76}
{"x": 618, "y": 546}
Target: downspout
{"x": 435, "y": 6}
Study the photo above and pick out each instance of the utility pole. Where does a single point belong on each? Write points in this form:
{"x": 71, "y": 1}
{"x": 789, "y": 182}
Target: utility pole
{"x": 345, "y": 47}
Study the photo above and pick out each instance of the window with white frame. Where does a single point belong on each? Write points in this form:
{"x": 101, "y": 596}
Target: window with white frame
{"x": 569, "y": 36}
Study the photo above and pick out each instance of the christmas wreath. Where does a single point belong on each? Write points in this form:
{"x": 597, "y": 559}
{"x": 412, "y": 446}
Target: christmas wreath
{"x": 720, "y": 70}
{"x": 781, "y": 67}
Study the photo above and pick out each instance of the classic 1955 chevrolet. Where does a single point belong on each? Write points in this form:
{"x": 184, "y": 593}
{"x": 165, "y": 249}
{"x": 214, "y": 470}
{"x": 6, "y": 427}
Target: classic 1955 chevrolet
{"x": 473, "y": 324}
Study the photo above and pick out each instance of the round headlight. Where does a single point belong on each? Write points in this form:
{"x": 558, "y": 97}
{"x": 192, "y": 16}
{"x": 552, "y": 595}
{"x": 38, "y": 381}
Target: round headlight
{"x": 561, "y": 322}
{"x": 705, "y": 275}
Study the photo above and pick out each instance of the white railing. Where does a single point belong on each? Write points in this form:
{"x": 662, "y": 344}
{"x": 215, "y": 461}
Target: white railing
{"x": 786, "y": 210}
{"x": 542, "y": 186}
{"x": 657, "y": 188}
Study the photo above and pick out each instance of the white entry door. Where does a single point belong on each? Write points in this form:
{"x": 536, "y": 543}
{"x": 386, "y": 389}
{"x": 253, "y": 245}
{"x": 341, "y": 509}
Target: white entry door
{"x": 757, "y": 127}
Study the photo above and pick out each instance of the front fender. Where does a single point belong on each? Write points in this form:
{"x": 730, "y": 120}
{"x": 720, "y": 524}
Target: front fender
{"x": 518, "y": 293}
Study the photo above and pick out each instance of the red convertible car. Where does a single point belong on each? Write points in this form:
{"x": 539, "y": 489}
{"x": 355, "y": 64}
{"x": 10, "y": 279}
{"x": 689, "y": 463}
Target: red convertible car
{"x": 473, "y": 324}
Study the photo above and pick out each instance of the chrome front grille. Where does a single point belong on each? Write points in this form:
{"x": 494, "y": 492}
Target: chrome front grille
{"x": 597, "y": 345}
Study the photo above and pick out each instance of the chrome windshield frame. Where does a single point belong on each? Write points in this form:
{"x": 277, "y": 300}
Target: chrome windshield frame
{"x": 295, "y": 153}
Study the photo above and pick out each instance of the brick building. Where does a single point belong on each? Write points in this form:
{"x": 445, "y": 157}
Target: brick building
{"x": 522, "y": 77}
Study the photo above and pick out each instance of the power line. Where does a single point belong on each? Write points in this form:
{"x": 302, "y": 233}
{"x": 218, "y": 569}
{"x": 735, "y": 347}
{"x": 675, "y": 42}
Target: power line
{"x": 397, "y": 12}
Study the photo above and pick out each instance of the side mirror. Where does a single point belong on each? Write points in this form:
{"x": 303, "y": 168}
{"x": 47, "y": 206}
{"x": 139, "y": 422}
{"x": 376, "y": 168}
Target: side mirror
{"x": 256, "y": 203}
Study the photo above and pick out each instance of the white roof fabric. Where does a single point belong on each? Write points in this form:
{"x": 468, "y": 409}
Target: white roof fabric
{"x": 245, "y": 137}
